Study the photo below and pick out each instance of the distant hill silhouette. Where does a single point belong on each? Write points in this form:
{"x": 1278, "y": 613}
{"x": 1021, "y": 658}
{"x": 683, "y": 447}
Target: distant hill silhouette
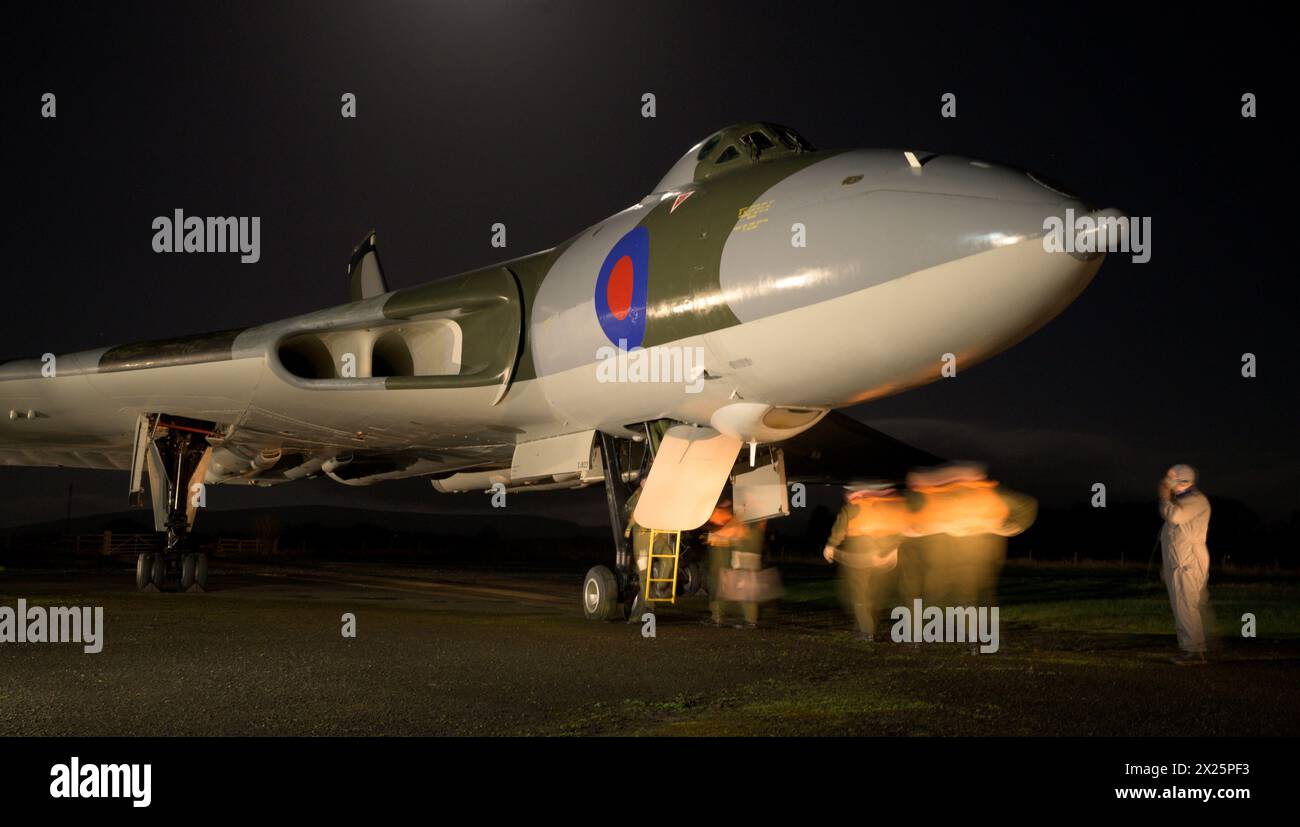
{"x": 334, "y": 531}
{"x": 1122, "y": 531}
{"x": 244, "y": 521}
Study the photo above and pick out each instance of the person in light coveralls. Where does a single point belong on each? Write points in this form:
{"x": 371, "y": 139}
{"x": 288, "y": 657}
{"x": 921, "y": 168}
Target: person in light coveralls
{"x": 1186, "y": 559}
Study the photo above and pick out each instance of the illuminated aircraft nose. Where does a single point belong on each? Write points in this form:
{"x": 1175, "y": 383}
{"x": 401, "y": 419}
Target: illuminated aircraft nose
{"x": 990, "y": 209}
{"x": 906, "y": 265}
{"x": 890, "y": 223}
{"x": 1016, "y": 260}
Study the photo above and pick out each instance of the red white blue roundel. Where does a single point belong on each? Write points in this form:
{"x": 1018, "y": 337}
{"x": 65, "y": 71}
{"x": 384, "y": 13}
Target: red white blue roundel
{"x": 621, "y": 289}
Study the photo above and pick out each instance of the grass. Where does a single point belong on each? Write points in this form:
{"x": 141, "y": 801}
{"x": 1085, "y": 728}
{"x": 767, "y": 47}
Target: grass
{"x": 1085, "y": 648}
{"x": 1109, "y": 599}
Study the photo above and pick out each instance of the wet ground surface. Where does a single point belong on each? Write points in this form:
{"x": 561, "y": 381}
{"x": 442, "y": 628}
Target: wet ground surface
{"x": 483, "y": 651}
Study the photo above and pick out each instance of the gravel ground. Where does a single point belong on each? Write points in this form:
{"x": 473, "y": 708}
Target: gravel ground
{"x": 459, "y": 651}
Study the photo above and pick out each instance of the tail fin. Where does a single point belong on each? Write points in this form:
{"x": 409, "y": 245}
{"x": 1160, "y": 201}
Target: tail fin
{"x": 365, "y": 274}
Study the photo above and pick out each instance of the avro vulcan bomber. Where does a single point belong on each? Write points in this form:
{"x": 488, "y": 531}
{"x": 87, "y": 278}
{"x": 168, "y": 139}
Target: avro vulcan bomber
{"x": 716, "y": 324}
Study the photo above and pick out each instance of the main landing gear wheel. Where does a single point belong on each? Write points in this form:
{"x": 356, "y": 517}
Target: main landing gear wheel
{"x": 194, "y": 572}
{"x": 599, "y": 594}
{"x": 189, "y": 562}
{"x": 201, "y": 573}
{"x": 159, "y": 570}
{"x": 144, "y": 565}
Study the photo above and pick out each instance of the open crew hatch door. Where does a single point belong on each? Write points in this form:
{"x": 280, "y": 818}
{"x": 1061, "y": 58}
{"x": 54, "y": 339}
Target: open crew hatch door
{"x": 689, "y": 471}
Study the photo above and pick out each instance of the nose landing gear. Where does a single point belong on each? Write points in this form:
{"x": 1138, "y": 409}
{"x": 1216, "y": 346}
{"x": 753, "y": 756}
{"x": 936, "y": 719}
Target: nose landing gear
{"x": 609, "y": 594}
{"x": 604, "y": 590}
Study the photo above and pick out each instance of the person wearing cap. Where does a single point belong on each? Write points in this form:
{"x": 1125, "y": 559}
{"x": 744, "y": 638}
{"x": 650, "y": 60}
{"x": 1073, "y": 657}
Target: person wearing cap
{"x": 864, "y": 544}
{"x": 1186, "y": 559}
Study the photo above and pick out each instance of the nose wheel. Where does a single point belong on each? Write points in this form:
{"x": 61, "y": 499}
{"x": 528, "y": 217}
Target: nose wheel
{"x": 693, "y": 577}
{"x": 600, "y": 594}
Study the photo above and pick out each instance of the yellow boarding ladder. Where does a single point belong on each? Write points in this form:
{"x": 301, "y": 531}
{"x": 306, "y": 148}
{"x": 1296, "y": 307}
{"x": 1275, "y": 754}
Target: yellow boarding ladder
{"x": 650, "y": 579}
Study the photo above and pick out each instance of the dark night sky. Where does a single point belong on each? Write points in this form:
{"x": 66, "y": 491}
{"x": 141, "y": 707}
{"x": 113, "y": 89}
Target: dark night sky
{"x": 529, "y": 114}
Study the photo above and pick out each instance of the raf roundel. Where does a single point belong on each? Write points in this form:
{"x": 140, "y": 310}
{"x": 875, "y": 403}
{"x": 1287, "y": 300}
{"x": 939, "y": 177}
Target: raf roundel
{"x": 621, "y": 289}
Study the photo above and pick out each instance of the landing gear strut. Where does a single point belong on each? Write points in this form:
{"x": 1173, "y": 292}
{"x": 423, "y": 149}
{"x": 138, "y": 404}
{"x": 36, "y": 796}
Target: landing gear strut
{"x": 175, "y": 457}
{"x": 610, "y": 594}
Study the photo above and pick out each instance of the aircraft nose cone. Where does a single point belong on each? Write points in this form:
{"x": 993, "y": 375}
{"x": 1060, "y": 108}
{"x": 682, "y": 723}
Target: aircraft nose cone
{"x": 1064, "y": 223}
{"x": 1054, "y": 192}
{"x": 1003, "y": 227}
{"x": 974, "y": 206}
{"x": 957, "y": 175}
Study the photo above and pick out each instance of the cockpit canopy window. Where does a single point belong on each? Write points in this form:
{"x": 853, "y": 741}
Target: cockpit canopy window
{"x": 792, "y": 140}
{"x": 758, "y": 141}
{"x": 753, "y": 142}
{"x": 708, "y": 147}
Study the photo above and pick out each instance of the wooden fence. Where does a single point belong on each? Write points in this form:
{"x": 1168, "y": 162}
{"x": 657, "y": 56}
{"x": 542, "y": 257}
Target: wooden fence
{"x": 112, "y": 544}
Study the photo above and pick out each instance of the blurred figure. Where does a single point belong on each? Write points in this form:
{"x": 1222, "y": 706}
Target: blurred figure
{"x": 718, "y": 557}
{"x": 1186, "y": 559}
{"x": 864, "y": 544}
{"x": 735, "y": 558}
{"x": 961, "y": 520}
{"x": 912, "y": 553}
